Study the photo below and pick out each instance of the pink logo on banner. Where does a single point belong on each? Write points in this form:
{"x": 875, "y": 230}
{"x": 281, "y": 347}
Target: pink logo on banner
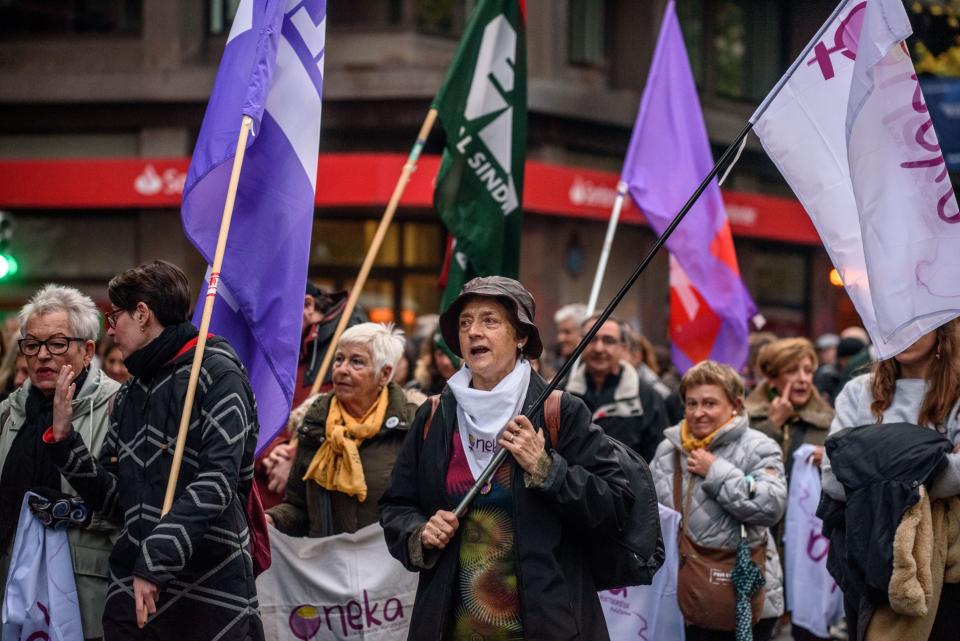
{"x": 305, "y": 622}
{"x": 844, "y": 42}
{"x": 41, "y": 635}
{"x": 915, "y": 137}
{"x": 346, "y": 618}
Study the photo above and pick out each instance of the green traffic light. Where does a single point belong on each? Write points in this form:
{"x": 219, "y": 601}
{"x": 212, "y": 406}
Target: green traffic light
{"x": 8, "y": 266}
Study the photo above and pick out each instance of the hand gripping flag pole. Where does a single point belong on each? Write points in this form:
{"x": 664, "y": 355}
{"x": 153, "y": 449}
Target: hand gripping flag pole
{"x": 408, "y": 168}
{"x": 207, "y": 314}
{"x": 725, "y": 162}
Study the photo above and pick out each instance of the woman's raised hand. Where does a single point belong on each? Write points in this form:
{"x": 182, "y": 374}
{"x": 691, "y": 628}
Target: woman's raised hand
{"x": 63, "y": 403}
{"x": 781, "y": 409}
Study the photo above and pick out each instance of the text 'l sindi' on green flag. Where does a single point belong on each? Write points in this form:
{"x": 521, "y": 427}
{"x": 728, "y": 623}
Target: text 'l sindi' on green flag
{"x": 482, "y": 106}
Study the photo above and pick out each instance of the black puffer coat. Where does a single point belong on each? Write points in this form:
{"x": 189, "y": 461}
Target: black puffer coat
{"x": 198, "y": 554}
{"x": 585, "y": 488}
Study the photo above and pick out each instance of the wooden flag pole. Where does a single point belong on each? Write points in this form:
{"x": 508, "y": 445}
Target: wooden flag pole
{"x": 408, "y": 168}
{"x": 207, "y": 313}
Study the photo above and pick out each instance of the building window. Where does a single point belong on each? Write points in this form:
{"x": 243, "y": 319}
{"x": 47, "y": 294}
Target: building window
{"x": 780, "y": 290}
{"x": 588, "y": 32}
{"x": 39, "y": 17}
{"x": 354, "y": 14}
{"x": 442, "y": 17}
{"x": 730, "y": 46}
{"x": 222, "y": 13}
{"x": 403, "y": 283}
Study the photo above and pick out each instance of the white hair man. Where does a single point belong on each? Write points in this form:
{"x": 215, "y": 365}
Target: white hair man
{"x": 567, "y": 321}
{"x": 349, "y": 439}
{"x": 58, "y": 327}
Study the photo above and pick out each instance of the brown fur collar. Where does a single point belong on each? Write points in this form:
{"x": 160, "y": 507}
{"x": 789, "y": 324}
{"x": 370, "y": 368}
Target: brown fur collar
{"x": 817, "y": 412}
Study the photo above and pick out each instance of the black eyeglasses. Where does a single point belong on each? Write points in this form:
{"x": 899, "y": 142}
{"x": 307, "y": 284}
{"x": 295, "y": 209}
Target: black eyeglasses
{"x": 112, "y": 316}
{"x": 56, "y": 345}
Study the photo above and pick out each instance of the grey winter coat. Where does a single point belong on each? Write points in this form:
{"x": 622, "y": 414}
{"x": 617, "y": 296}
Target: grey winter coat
{"x": 89, "y": 547}
{"x": 722, "y": 500}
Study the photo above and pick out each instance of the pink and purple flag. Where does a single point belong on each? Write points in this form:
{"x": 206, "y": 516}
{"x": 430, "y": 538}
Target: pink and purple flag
{"x": 668, "y": 157}
{"x": 852, "y": 135}
{"x": 272, "y": 71}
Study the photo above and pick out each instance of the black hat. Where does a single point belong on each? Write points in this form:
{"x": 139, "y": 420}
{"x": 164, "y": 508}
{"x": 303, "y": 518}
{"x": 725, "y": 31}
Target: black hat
{"x": 849, "y": 346}
{"x": 509, "y": 292}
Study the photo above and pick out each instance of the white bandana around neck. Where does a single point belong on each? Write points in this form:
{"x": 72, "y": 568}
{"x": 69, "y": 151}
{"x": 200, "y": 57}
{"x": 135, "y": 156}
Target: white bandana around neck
{"x": 482, "y": 415}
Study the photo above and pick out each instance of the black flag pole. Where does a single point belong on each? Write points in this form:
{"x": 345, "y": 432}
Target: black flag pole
{"x": 726, "y": 160}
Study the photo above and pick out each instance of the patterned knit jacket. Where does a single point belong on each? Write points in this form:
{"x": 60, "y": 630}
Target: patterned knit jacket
{"x": 198, "y": 554}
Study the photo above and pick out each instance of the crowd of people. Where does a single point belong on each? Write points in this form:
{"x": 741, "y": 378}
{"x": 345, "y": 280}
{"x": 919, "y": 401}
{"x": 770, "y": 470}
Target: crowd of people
{"x": 401, "y": 428}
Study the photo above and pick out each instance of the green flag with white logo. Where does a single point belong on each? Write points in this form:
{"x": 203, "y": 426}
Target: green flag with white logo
{"x": 482, "y": 106}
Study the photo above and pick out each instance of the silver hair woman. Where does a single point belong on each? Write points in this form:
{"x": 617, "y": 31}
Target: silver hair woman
{"x": 363, "y": 420}
{"x": 58, "y": 329}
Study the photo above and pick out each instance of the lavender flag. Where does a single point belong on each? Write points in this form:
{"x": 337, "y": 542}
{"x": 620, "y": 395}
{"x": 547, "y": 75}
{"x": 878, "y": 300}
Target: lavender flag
{"x": 272, "y": 71}
{"x": 669, "y": 155}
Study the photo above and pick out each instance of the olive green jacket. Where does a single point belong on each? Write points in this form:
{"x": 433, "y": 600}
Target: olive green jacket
{"x": 89, "y": 547}
{"x": 310, "y": 510}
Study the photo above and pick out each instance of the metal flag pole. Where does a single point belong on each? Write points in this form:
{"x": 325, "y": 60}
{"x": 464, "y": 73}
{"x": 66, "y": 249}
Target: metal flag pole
{"x": 207, "y": 314}
{"x": 501, "y": 455}
{"x": 607, "y": 245}
{"x": 408, "y": 168}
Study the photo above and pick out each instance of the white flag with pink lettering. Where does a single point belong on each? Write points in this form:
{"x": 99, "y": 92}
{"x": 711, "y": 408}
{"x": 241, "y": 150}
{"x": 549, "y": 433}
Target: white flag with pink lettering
{"x": 849, "y": 130}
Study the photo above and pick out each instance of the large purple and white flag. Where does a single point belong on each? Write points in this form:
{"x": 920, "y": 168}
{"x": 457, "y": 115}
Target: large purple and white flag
{"x": 272, "y": 71}
{"x": 851, "y": 134}
{"x": 668, "y": 157}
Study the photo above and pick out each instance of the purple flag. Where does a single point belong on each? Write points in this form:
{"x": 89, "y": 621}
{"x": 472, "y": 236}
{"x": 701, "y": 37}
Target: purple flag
{"x": 668, "y": 157}
{"x": 272, "y": 71}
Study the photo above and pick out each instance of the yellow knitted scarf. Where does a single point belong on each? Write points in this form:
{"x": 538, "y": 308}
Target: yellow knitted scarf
{"x": 691, "y": 442}
{"x": 336, "y": 465}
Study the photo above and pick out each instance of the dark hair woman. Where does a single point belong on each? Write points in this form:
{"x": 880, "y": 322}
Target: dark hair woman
{"x": 187, "y": 574}
{"x": 514, "y": 567}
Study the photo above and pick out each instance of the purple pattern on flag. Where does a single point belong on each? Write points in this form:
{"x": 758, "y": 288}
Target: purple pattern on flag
{"x": 260, "y": 302}
{"x": 668, "y": 157}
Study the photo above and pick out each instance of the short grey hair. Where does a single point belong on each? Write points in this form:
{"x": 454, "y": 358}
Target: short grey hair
{"x": 81, "y": 311}
{"x": 384, "y": 341}
{"x": 575, "y": 312}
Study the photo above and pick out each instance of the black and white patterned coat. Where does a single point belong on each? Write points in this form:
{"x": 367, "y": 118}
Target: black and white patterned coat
{"x": 199, "y": 552}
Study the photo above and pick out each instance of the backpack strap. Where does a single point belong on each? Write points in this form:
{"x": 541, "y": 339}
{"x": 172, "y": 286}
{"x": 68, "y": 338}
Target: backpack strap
{"x": 551, "y": 416}
{"x": 434, "y": 404}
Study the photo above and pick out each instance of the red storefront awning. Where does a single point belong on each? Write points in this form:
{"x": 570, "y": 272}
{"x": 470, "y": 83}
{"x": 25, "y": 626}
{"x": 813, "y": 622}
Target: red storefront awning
{"x": 366, "y": 180}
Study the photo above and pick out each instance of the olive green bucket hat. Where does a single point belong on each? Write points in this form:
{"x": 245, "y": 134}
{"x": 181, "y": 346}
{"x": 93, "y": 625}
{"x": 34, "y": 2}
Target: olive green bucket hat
{"x": 512, "y": 294}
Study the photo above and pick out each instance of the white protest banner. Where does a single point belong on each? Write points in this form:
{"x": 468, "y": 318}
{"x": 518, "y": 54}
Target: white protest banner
{"x": 813, "y": 597}
{"x": 649, "y": 612}
{"x": 339, "y": 587}
{"x": 849, "y": 130}
{"x": 40, "y": 602}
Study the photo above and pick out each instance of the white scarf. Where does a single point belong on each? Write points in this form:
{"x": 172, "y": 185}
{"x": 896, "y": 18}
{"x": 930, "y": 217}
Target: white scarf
{"x": 482, "y": 415}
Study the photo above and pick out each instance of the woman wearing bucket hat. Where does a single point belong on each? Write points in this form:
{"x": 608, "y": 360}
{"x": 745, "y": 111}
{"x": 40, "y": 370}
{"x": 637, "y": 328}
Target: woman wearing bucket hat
{"x": 514, "y": 567}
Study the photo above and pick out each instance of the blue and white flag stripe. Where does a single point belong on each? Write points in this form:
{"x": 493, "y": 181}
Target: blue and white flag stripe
{"x": 272, "y": 71}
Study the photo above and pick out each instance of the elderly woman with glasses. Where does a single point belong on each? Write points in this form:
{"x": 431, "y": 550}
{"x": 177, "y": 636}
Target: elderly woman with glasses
{"x": 514, "y": 566}
{"x": 58, "y": 329}
{"x": 186, "y": 574}
{"x": 349, "y": 439}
